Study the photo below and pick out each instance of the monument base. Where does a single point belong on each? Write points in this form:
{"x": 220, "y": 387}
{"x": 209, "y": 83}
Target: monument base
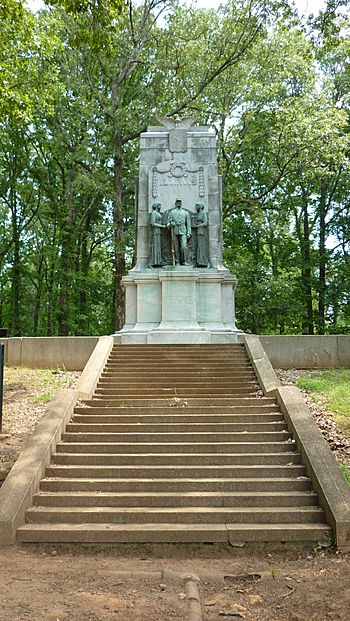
{"x": 179, "y": 304}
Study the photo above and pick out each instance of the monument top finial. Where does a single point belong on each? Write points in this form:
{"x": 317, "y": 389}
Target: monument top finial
{"x": 176, "y": 123}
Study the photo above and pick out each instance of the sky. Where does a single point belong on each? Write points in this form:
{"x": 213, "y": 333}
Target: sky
{"x": 305, "y": 7}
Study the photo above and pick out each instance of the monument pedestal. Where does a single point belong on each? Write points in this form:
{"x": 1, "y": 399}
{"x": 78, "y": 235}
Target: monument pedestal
{"x": 179, "y": 304}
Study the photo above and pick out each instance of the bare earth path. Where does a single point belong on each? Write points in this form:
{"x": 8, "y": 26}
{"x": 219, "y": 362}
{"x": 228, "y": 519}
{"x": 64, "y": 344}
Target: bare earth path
{"x": 43, "y": 583}
{"x": 39, "y": 584}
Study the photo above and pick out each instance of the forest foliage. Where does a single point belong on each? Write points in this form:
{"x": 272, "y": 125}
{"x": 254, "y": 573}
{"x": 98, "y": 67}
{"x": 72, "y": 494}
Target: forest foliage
{"x": 81, "y": 79}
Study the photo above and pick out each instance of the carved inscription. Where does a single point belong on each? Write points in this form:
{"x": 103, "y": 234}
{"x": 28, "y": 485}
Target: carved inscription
{"x": 178, "y": 174}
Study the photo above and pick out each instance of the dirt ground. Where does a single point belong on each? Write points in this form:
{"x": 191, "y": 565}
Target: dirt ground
{"x": 337, "y": 439}
{"x": 262, "y": 584}
{"x": 26, "y": 395}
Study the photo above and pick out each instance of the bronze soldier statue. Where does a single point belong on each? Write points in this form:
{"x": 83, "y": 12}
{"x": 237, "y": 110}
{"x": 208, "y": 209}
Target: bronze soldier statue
{"x": 179, "y": 222}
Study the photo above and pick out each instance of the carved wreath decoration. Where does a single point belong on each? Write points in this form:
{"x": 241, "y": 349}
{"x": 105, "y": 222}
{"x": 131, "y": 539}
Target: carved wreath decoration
{"x": 178, "y": 169}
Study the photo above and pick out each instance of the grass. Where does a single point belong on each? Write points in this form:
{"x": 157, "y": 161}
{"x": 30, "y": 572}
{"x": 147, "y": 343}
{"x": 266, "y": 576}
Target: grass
{"x": 42, "y": 383}
{"x": 331, "y": 388}
{"x": 346, "y": 472}
{"x": 44, "y": 398}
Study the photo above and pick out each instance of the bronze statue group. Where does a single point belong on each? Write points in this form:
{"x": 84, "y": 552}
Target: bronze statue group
{"x": 181, "y": 228}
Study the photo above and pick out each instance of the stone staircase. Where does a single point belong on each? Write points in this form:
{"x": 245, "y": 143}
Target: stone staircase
{"x": 177, "y": 445}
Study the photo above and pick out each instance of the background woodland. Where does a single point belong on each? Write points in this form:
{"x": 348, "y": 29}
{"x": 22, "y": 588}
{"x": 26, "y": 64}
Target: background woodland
{"x": 81, "y": 79}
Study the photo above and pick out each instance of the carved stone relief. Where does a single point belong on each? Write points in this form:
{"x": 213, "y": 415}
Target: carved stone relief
{"x": 176, "y": 178}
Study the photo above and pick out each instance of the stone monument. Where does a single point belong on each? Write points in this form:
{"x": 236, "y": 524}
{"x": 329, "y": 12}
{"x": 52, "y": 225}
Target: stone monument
{"x": 179, "y": 291}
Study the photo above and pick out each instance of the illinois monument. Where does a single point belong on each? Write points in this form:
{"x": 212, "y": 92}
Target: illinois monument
{"x": 179, "y": 291}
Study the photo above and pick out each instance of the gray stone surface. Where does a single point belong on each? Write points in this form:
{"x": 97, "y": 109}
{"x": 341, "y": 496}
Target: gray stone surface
{"x": 94, "y": 367}
{"x": 178, "y": 300}
{"x": 22, "y": 482}
{"x": 324, "y": 472}
{"x": 65, "y": 352}
{"x": 307, "y": 352}
{"x": 178, "y": 162}
{"x": 73, "y": 352}
{"x": 191, "y": 290}
{"x": 262, "y": 366}
{"x": 327, "y": 479}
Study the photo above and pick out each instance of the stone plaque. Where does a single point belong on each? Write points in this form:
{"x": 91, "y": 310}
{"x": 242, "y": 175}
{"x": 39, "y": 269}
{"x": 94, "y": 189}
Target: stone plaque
{"x": 178, "y": 141}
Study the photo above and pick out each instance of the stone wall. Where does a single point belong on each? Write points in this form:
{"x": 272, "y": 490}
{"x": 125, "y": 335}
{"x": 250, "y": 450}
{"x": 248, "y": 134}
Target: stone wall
{"x": 73, "y": 352}
{"x": 307, "y": 352}
{"x": 64, "y": 352}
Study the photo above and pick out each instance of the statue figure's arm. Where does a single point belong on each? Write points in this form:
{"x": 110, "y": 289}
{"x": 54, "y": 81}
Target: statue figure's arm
{"x": 204, "y": 221}
{"x": 188, "y": 225}
{"x": 170, "y": 221}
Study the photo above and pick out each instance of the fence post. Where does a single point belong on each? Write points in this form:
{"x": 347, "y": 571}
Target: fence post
{"x": 2, "y": 356}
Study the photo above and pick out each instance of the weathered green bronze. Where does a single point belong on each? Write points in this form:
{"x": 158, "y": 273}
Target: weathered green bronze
{"x": 200, "y": 224}
{"x": 179, "y": 223}
{"x": 156, "y": 243}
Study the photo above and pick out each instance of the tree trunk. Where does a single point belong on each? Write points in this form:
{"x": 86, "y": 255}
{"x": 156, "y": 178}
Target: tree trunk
{"x": 67, "y": 250}
{"x": 63, "y": 295}
{"x": 50, "y": 304}
{"x": 306, "y": 273}
{"x": 39, "y": 289}
{"x": 322, "y": 261}
{"x": 15, "y": 323}
{"x": 16, "y": 287}
{"x": 84, "y": 267}
{"x": 118, "y": 222}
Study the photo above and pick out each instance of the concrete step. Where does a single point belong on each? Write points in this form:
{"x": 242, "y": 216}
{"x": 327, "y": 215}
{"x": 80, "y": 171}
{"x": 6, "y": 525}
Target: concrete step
{"x": 169, "y": 533}
{"x": 100, "y": 408}
{"x": 173, "y": 367}
{"x": 180, "y": 375}
{"x": 187, "y": 362}
{"x": 243, "y": 437}
{"x": 181, "y": 427}
{"x": 168, "y": 399}
{"x": 198, "y": 346}
{"x": 176, "y": 445}
{"x": 176, "y": 459}
{"x": 176, "y": 499}
{"x": 170, "y": 485}
{"x": 175, "y": 515}
{"x": 173, "y": 447}
{"x": 177, "y": 418}
{"x": 180, "y": 356}
{"x": 178, "y": 402}
{"x": 176, "y": 472}
{"x": 179, "y": 352}
{"x": 174, "y": 383}
{"x": 197, "y": 381}
{"x": 169, "y": 391}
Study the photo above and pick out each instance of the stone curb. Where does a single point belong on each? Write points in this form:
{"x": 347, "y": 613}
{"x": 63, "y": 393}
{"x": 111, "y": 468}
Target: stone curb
{"x": 22, "y": 482}
{"x": 322, "y": 468}
{"x": 268, "y": 380}
{"x": 94, "y": 367}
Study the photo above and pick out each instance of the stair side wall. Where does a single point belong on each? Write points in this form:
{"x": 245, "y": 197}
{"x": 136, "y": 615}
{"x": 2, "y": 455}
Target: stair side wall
{"x": 16, "y": 494}
{"x": 322, "y": 468}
